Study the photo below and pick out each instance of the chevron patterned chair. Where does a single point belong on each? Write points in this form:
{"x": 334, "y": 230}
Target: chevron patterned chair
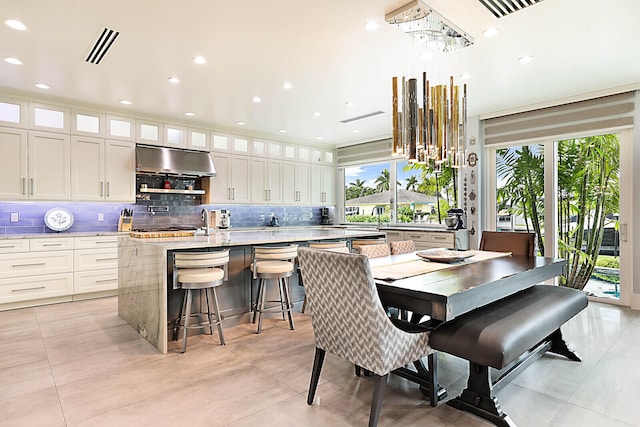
{"x": 349, "y": 321}
{"x": 375, "y": 251}
{"x": 402, "y": 247}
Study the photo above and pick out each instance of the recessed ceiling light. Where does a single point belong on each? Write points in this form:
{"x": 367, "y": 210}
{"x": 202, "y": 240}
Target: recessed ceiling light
{"x": 316, "y": 114}
{"x": 15, "y": 24}
{"x": 239, "y": 123}
{"x": 371, "y": 26}
{"x": 490, "y": 32}
{"x": 349, "y": 104}
{"x": 465, "y": 76}
{"x": 287, "y": 85}
{"x": 199, "y": 60}
{"x": 356, "y": 131}
{"x": 256, "y": 99}
{"x": 525, "y": 59}
{"x": 14, "y": 61}
{"x": 125, "y": 102}
{"x": 190, "y": 114}
{"x": 319, "y": 137}
{"x": 426, "y": 54}
{"x": 42, "y": 86}
{"x": 174, "y": 80}
{"x": 283, "y": 131}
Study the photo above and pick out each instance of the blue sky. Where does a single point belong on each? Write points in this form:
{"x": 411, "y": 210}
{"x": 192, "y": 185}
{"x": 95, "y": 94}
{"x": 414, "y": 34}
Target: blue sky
{"x": 369, "y": 173}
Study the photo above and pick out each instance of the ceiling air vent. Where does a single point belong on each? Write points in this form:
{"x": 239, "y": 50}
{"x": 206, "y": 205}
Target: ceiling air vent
{"x": 364, "y": 116}
{"x": 500, "y": 8}
{"x": 102, "y": 45}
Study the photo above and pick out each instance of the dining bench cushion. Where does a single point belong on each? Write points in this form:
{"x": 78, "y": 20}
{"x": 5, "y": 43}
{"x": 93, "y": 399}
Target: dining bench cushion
{"x": 499, "y": 333}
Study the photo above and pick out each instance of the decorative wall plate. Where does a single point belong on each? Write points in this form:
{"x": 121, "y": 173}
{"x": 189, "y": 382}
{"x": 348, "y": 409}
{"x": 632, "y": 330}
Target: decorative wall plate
{"x": 58, "y": 219}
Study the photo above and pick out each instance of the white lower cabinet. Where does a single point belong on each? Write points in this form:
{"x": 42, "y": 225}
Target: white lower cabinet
{"x": 37, "y": 271}
{"x": 424, "y": 239}
{"x": 95, "y": 262}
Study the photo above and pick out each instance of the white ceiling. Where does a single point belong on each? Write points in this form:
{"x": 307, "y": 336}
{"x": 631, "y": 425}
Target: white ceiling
{"x": 321, "y": 47}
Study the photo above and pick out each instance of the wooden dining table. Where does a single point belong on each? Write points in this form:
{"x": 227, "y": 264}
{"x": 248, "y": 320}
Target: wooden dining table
{"x": 444, "y": 291}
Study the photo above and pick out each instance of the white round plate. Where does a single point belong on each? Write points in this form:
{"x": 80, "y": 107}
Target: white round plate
{"x": 58, "y": 219}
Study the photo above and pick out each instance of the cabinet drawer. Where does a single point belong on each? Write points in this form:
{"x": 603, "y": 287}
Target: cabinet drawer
{"x": 95, "y": 281}
{"x": 444, "y": 239}
{"x": 35, "y": 287}
{"x": 51, "y": 244}
{"x": 36, "y": 263}
{"x": 95, "y": 259}
{"x": 395, "y": 236}
{"x": 96, "y": 242}
{"x": 416, "y": 236}
{"x": 14, "y": 245}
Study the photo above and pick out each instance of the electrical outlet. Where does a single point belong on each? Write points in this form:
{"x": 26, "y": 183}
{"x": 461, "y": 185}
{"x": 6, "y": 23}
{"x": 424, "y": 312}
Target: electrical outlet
{"x": 100, "y": 216}
{"x": 15, "y": 217}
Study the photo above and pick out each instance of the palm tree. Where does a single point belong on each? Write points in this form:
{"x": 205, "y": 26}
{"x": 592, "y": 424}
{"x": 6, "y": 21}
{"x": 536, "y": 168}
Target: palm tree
{"x": 383, "y": 181}
{"x": 412, "y": 183}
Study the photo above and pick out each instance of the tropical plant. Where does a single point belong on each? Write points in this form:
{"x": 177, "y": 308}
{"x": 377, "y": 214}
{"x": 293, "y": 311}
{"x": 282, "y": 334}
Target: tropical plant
{"x": 412, "y": 183}
{"x": 588, "y": 184}
{"x": 522, "y": 170}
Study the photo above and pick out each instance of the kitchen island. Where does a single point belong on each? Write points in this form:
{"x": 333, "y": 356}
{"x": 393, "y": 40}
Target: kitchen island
{"x": 148, "y": 301}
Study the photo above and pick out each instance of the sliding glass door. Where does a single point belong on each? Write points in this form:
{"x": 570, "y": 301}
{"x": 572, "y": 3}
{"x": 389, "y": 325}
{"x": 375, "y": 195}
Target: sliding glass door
{"x": 571, "y": 194}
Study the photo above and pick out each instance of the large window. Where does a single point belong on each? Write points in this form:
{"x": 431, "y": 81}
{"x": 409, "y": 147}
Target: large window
{"x": 571, "y": 188}
{"x": 422, "y": 194}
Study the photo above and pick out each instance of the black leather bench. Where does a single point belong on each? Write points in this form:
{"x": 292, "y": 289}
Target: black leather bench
{"x": 508, "y": 335}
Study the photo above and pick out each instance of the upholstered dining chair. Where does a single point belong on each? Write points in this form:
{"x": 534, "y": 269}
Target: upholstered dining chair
{"x": 340, "y": 246}
{"x": 349, "y": 321}
{"x": 518, "y": 243}
{"x": 375, "y": 251}
{"x": 402, "y": 247}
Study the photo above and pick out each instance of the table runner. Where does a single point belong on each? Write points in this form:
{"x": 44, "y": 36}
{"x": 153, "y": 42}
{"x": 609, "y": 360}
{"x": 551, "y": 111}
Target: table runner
{"x": 415, "y": 265}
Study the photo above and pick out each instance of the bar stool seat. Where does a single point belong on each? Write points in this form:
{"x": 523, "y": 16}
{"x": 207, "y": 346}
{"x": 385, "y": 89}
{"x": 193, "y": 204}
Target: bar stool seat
{"x": 202, "y": 272}
{"x": 273, "y": 262}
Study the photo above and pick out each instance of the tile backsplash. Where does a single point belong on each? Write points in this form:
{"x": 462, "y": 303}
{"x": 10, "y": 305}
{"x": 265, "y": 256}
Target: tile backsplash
{"x": 182, "y": 211}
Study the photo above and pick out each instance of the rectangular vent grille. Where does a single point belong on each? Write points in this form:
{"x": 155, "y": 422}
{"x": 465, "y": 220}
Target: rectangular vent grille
{"x": 102, "y": 45}
{"x": 500, "y": 8}
{"x": 364, "y": 116}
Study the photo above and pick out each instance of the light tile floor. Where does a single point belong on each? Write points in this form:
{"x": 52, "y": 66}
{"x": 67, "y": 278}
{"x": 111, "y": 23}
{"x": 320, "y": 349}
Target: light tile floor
{"x": 79, "y": 364}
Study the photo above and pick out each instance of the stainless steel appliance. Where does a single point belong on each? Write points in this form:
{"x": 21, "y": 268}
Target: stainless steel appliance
{"x": 225, "y": 218}
{"x": 458, "y": 223}
{"x": 325, "y": 216}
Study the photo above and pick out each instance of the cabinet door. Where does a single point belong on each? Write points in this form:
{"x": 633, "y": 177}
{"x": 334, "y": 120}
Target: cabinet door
{"x": 259, "y": 181}
{"x": 87, "y": 168}
{"x": 49, "y": 166}
{"x": 13, "y": 164}
{"x": 240, "y": 181}
{"x": 289, "y": 182}
{"x": 316, "y": 184}
{"x": 120, "y": 171}
{"x": 220, "y": 184}
{"x": 303, "y": 183}
{"x": 329, "y": 185}
{"x": 274, "y": 178}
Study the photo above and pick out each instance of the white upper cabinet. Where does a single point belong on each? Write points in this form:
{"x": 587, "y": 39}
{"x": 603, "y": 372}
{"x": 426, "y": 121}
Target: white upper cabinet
{"x": 89, "y": 123}
{"x": 49, "y": 118}
{"x": 49, "y": 166}
{"x": 198, "y": 139}
{"x": 259, "y": 147}
{"x": 322, "y": 156}
{"x": 121, "y": 128}
{"x": 266, "y": 181}
{"x": 13, "y": 113}
{"x": 119, "y": 172}
{"x": 13, "y": 164}
{"x": 230, "y": 143}
{"x": 232, "y": 181}
{"x": 175, "y": 136}
{"x": 323, "y": 183}
{"x": 304, "y": 154}
{"x": 149, "y": 132}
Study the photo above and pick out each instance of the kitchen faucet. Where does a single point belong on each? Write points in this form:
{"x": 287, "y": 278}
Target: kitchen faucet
{"x": 205, "y": 218}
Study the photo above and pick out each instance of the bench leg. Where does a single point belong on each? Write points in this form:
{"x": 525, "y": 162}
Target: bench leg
{"x": 560, "y": 346}
{"x": 478, "y": 398}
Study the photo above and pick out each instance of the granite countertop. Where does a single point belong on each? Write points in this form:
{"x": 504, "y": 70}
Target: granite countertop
{"x": 415, "y": 227}
{"x": 64, "y": 234}
{"x": 255, "y": 237}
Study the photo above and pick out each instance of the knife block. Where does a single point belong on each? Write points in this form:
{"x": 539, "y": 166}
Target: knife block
{"x": 124, "y": 223}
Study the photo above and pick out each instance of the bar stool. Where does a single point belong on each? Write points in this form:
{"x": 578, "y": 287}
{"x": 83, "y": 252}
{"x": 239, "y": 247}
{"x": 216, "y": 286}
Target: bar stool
{"x": 199, "y": 271}
{"x": 273, "y": 262}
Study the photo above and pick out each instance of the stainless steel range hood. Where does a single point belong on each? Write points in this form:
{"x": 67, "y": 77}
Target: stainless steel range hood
{"x": 170, "y": 161}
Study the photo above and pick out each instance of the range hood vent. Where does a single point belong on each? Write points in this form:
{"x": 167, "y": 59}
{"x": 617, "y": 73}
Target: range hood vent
{"x": 170, "y": 161}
